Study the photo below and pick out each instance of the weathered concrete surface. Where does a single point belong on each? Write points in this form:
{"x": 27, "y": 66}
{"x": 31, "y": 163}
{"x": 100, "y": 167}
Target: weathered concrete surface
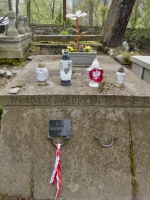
{"x": 89, "y": 171}
{"x": 14, "y": 47}
{"x": 141, "y": 67}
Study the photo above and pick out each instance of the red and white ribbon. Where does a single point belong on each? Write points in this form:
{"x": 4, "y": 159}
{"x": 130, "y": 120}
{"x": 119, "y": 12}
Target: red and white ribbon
{"x": 56, "y": 175}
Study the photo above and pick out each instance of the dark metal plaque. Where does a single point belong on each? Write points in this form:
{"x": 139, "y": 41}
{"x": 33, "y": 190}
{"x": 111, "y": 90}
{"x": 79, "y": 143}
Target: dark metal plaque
{"x": 59, "y": 127}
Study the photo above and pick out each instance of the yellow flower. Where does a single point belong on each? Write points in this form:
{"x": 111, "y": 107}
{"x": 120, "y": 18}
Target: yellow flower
{"x": 87, "y": 48}
{"x": 70, "y": 49}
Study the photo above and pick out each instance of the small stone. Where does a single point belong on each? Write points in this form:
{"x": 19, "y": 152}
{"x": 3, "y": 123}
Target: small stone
{"x": 120, "y": 58}
{"x": 51, "y": 84}
{"x": 30, "y": 57}
{"x": 14, "y": 90}
{"x": 111, "y": 52}
{"x": 2, "y": 72}
{"x": 15, "y": 71}
{"x": 8, "y": 74}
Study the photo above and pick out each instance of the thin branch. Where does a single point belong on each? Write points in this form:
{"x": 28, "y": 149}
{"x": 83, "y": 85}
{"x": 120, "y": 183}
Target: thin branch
{"x": 36, "y": 5}
{"x": 38, "y": 14}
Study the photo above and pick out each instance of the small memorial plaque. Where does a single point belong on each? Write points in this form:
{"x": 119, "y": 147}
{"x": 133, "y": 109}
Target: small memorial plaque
{"x": 59, "y": 127}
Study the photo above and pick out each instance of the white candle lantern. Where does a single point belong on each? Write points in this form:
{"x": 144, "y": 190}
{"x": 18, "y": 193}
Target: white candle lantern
{"x": 41, "y": 74}
{"x": 65, "y": 69}
{"x": 95, "y": 74}
{"x": 120, "y": 77}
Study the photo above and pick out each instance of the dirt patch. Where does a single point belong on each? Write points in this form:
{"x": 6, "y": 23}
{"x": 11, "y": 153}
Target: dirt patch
{"x": 15, "y": 70}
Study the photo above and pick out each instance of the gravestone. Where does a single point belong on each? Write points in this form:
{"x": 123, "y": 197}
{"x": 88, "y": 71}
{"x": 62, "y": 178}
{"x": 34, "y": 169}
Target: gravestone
{"x": 26, "y": 24}
{"x": 88, "y": 170}
{"x": 14, "y": 45}
{"x": 12, "y": 31}
{"x": 21, "y": 28}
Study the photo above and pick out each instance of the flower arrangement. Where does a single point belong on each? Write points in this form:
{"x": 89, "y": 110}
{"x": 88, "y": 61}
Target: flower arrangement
{"x": 76, "y": 44}
{"x": 83, "y": 49}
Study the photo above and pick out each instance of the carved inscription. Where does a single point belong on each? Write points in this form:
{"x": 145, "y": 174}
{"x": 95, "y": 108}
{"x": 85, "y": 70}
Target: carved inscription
{"x": 30, "y": 100}
{"x": 79, "y": 100}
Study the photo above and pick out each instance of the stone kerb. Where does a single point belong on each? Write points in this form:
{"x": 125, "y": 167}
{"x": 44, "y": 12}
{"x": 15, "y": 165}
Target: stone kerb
{"x": 88, "y": 170}
{"x": 141, "y": 67}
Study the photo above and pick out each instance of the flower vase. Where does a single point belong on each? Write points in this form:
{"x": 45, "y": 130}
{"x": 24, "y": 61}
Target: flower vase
{"x": 82, "y": 59}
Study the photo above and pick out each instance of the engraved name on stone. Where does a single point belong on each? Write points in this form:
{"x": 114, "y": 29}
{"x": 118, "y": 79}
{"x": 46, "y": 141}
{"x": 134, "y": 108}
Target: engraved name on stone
{"x": 79, "y": 100}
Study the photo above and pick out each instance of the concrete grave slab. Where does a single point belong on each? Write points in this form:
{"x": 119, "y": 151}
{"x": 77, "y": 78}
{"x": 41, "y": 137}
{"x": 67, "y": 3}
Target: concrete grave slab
{"x": 89, "y": 171}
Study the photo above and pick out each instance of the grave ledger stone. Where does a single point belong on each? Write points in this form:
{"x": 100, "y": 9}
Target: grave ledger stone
{"x": 88, "y": 170}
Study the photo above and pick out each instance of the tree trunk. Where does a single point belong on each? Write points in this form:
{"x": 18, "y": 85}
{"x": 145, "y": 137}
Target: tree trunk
{"x": 17, "y": 5}
{"x": 116, "y": 22}
{"x": 10, "y": 5}
{"x": 28, "y": 10}
{"x": 91, "y": 9}
{"x": 53, "y": 9}
{"x": 64, "y": 13}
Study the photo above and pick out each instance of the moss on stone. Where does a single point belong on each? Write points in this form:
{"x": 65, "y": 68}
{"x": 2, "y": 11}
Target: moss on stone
{"x": 1, "y": 111}
{"x": 31, "y": 188}
{"x": 126, "y": 56}
{"x": 12, "y": 61}
{"x": 132, "y": 167}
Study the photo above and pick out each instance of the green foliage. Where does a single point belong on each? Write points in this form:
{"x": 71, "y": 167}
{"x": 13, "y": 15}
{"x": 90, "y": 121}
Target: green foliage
{"x": 3, "y": 8}
{"x": 140, "y": 17}
{"x": 69, "y": 23}
{"x": 138, "y": 36}
{"x": 126, "y": 56}
{"x": 103, "y": 13}
{"x": 64, "y": 32}
{"x": 59, "y": 18}
{"x": 50, "y": 11}
{"x": 43, "y": 12}
{"x": 11, "y": 61}
{"x": 31, "y": 188}
{"x": 96, "y": 9}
